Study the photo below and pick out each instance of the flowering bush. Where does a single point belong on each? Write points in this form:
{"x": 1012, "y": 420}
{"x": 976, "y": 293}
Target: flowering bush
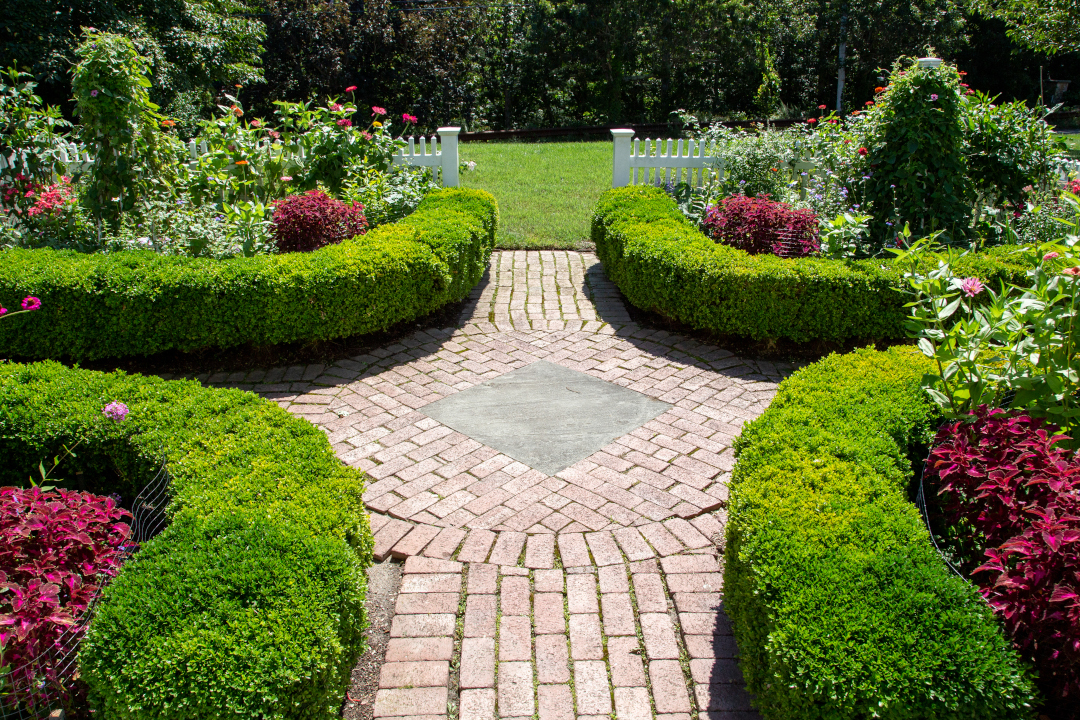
{"x": 1010, "y": 496}
{"x": 1016, "y": 346}
{"x": 761, "y": 225}
{"x": 56, "y": 550}
{"x": 307, "y": 222}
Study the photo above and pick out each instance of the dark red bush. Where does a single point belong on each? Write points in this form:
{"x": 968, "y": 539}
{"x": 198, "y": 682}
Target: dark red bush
{"x": 307, "y": 222}
{"x": 1008, "y": 487}
{"x": 761, "y": 225}
{"x": 56, "y": 549}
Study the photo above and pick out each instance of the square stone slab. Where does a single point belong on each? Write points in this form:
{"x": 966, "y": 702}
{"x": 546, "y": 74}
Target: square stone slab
{"x": 545, "y": 415}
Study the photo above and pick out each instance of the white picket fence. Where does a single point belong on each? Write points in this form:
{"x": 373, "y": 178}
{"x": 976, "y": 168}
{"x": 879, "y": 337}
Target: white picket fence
{"x": 438, "y": 153}
{"x": 663, "y": 162}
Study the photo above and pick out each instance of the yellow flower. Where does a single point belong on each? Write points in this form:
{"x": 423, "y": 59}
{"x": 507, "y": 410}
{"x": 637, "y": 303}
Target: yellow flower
{"x": 377, "y": 124}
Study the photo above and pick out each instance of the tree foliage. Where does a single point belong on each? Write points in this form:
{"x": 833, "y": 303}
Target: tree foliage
{"x": 1048, "y": 26}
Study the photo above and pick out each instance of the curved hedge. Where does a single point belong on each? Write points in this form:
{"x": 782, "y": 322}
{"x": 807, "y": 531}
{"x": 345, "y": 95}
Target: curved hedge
{"x": 140, "y": 302}
{"x": 841, "y": 606}
{"x": 250, "y": 604}
{"x": 662, "y": 263}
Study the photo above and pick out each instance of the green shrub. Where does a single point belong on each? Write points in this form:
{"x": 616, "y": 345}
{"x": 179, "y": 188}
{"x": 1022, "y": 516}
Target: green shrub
{"x": 140, "y": 303}
{"x": 664, "y": 264}
{"x": 251, "y": 603}
{"x": 841, "y": 606}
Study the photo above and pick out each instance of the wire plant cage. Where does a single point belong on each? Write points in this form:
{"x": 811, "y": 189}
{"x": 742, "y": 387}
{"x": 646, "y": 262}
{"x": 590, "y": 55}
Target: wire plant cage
{"x": 53, "y": 671}
{"x": 791, "y": 243}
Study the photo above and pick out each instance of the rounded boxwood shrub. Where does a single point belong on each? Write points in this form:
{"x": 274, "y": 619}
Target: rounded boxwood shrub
{"x": 140, "y": 303}
{"x": 250, "y": 604}
{"x": 841, "y": 606}
{"x": 664, "y": 264}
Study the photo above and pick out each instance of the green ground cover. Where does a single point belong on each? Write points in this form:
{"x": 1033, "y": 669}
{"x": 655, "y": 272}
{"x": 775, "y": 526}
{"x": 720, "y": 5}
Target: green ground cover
{"x": 546, "y": 191}
{"x": 1072, "y": 140}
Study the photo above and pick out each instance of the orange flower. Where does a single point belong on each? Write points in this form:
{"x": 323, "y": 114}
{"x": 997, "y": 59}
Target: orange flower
{"x": 237, "y": 111}
{"x": 238, "y": 86}
{"x": 774, "y": 169}
{"x": 241, "y": 162}
{"x": 168, "y": 123}
{"x": 879, "y": 89}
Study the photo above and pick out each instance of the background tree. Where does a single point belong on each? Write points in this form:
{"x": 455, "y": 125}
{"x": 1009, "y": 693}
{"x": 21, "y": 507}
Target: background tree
{"x": 1047, "y": 26}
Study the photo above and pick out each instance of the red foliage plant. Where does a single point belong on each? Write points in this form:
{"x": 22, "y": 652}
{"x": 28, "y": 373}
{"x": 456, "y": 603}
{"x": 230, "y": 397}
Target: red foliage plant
{"x": 761, "y": 225}
{"x": 307, "y": 222}
{"x": 56, "y": 550}
{"x": 1003, "y": 480}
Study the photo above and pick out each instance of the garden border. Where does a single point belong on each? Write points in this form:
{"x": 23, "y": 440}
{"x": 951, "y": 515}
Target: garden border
{"x": 663, "y": 264}
{"x": 141, "y": 303}
{"x": 250, "y": 603}
{"x": 841, "y": 605}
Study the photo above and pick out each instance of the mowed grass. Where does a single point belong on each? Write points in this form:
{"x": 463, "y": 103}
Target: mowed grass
{"x": 1072, "y": 141}
{"x": 546, "y": 191}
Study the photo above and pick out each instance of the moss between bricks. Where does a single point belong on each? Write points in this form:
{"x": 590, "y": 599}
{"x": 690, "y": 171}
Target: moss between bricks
{"x": 141, "y": 303}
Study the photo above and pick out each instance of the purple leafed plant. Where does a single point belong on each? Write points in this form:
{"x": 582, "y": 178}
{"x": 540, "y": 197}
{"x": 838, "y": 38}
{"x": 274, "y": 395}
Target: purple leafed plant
{"x": 1007, "y": 489}
{"x": 56, "y": 550}
{"x": 761, "y": 225}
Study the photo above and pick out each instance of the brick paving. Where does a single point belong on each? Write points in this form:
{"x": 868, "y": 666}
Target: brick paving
{"x": 593, "y": 592}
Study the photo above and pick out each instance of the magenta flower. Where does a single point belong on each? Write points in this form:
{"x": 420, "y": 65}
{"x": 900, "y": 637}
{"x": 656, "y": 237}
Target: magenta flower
{"x": 933, "y": 97}
{"x": 971, "y": 286}
{"x": 115, "y": 411}
{"x": 30, "y": 303}
{"x": 377, "y": 110}
{"x": 3, "y": 310}
{"x": 408, "y": 118}
{"x": 93, "y": 93}
{"x": 351, "y": 88}
{"x": 336, "y": 106}
{"x": 344, "y": 122}
{"x": 1050, "y": 256}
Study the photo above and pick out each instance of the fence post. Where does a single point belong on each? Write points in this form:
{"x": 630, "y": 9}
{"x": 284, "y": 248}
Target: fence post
{"x": 620, "y": 164}
{"x": 448, "y": 138}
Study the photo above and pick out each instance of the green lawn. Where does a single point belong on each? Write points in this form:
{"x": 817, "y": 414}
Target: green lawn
{"x": 546, "y": 191}
{"x": 1073, "y": 141}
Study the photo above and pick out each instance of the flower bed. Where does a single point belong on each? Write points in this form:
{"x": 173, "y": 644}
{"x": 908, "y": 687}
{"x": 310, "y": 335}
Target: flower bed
{"x": 662, "y": 263}
{"x": 140, "y": 302}
{"x": 250, "y": 604}
{"x": 841, "y": 605}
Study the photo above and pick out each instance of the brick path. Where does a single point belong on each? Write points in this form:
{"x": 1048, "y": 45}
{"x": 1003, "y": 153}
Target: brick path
{"x": 593, "y": 592}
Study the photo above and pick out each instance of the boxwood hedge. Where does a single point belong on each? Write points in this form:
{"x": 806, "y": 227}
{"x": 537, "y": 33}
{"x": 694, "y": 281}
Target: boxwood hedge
{"x": 841, "y": 606}
{"x": 250, "y": 604}
{"x": 664, "y": 264}
{"x": 140, "y": 302}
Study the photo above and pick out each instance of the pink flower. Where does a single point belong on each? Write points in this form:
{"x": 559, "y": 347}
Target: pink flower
{"x": 408, "y": 118}
{"x": 286, "y": 178}
{"x": 256, "y": 122}
{"x": 812, "y": 120}
{"x": 1050, "y": 256}
{"x": 351, "y": 88}
{"x": 971, "y": 286}
{"x": 821, "y": 107}
{"x": 30, "y": 303}
{"x": 93, "y": 93}
{"x": 344, "y": 122}
{"x": 336, "y": 106}
{"x": 1073, "y": 271}
{"x": 3, "y": 310}
{"x": 933, "y": 97}
{"x": 377, "y": 110}
{"x": 366, "y": 134}
{"x": 115, "y": 411}
{"x": 863, "y": 151}
{"x": 275, "y": 134}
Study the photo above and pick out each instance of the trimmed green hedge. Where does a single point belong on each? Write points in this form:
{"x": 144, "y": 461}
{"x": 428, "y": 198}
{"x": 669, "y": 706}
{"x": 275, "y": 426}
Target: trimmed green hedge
{"x": 250, "y": 604}
{"x": 841, "y": 606}
{"x": 140, "y": 302}
{"x": 664, "y": 264}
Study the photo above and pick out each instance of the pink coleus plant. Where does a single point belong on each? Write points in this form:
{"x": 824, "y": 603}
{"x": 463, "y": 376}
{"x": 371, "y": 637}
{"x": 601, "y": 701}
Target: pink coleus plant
{"x": 56, "y": 550}
{"x": 1008, "y": 489}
